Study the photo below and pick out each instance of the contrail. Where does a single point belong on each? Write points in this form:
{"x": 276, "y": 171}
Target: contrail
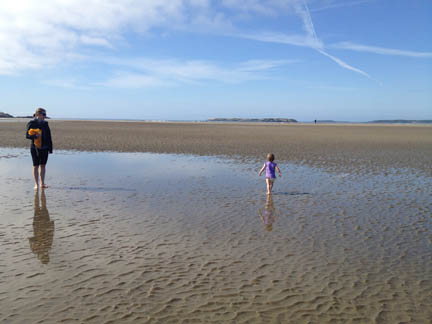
{"x": 310, "y": 29}
{"x": 343, "y": 64}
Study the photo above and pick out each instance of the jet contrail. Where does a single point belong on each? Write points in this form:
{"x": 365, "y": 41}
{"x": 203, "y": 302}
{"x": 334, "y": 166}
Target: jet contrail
{"x": 310, "y": 29}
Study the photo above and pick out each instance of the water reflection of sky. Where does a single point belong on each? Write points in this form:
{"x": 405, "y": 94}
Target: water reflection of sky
{"x": 112, "y": 208}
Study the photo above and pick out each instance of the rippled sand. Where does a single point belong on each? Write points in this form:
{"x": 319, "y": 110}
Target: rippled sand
{"x": 154, "y": 238}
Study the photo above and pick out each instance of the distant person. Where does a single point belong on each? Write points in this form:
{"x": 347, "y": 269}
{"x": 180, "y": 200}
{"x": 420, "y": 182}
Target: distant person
{"x": 40, "y": 134}
{"x": 270, "y": 167}
{"x": 315, "y": 121}
{"x": 268, "y": 215}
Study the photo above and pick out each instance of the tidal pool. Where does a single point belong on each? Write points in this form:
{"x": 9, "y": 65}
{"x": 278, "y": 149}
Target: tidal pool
{"x": 160, "y": 238}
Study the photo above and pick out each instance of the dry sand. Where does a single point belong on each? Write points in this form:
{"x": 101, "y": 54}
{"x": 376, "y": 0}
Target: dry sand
{"x": 367, "y": 148}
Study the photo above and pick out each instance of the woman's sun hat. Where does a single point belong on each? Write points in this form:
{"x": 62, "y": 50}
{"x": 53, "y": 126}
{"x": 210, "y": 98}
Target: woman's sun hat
{"x": 40, "y": 111}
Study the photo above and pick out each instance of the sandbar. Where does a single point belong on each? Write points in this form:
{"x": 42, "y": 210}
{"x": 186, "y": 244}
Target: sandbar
{"x": 366, "y": 147}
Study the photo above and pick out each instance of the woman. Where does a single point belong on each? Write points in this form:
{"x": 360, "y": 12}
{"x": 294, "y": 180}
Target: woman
{"x": 40, "y": 134}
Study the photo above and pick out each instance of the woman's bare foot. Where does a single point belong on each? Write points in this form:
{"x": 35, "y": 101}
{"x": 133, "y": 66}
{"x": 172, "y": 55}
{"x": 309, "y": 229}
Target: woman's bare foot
{"x": 36, "y": 187}
{"x": 44, "y": 186}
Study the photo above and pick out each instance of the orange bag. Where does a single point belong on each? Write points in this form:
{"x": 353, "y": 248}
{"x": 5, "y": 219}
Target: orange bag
{"x": 37, "y": 141}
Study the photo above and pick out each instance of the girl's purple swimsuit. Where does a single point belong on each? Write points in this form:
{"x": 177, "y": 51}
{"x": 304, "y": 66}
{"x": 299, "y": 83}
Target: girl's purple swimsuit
{"x": 270, "y": 170}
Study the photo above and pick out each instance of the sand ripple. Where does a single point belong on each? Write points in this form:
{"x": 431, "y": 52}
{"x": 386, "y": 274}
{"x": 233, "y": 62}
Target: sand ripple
{"x": 195, "y": 246}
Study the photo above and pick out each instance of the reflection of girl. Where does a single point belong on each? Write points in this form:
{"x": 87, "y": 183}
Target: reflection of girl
{"x": 43, "y": 229}
{"x": 40, "y": 134}
{"x": 268, "y": 215}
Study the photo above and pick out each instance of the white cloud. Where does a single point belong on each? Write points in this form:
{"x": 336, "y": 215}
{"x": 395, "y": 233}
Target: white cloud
{"x": 152, "y": 73}
{"x": 134, "y": 80}
{"x": 65, "y": 83}
{"x": 333, "y": 4}
{"x": 34, "y": 34}
{"x": 379, "y": 50}
{"x": 280, "y": 38}
{"x": 97, "y": 41}
{"x": 37, "y": 34}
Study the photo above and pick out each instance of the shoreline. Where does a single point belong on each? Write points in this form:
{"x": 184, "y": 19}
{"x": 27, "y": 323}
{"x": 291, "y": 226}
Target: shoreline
{"x": 366, "y": 147}
{"x": 205, "y": 122}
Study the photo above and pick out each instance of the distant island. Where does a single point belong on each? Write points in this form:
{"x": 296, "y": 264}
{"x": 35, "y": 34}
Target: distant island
{"x": 401, "y": 121}
{"x": 6, "y": 115}
{"x": 254, "y": 120}
{"x": 284, "y": 120}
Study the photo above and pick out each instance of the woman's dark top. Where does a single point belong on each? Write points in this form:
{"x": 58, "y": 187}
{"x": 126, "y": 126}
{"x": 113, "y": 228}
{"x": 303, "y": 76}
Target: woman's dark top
{"x": 46, "y": 134}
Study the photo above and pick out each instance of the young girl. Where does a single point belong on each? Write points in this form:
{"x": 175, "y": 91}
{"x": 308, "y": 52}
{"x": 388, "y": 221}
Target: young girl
{"x": 270, "y": 168}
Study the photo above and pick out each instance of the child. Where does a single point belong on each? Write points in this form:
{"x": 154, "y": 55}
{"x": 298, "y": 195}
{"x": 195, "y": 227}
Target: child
{"x": 270, "y": 168}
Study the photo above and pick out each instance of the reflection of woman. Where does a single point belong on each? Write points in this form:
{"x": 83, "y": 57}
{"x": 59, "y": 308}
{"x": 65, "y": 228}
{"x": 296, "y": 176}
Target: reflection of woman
{"x": 40, "y": 134}
{"x": 268, "y": 215}
{"x": 43, "y": 229}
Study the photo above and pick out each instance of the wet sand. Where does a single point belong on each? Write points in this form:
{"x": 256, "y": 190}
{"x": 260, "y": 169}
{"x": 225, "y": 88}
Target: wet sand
{"x": 163, "y": 238}
{"x": 353, "y": 147}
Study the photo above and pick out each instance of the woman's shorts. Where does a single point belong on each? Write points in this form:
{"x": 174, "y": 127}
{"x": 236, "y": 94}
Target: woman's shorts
{"x": 271, "y": 179}
{"x": 39, "y": 157}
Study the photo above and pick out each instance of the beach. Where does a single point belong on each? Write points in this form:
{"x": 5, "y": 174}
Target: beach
{"x": 169, "y": 223}
{"x": 360, "y": 147}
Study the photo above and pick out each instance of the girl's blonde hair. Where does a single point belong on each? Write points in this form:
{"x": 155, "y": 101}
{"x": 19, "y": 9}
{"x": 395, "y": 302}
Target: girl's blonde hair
{"x": 270, "y": 157}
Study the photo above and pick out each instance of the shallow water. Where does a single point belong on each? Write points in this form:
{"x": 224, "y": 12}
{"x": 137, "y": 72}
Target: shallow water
{"x": 148, "y": 238}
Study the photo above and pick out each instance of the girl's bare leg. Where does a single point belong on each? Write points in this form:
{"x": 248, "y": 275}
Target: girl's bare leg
{"x": 269, "y": 186}
{"x": 42, "y": 176}
{"x": 36, "y": 176}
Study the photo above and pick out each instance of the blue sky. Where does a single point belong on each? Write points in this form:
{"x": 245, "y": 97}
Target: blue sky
{"x": 354, "y": 60}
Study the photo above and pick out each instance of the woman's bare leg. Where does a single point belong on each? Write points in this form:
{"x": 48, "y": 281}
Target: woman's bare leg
{"x": 36, "y": 176}
{"x": 42, "y": 176}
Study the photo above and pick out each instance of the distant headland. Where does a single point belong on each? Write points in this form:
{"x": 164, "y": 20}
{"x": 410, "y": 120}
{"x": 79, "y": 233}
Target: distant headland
{"x": 6, "y": 115}
{"x": 282, "y": 120}
{"x": 254, "y": 120}
{"x": 401, "y": 121}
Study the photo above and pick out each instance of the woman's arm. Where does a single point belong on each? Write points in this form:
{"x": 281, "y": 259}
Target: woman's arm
{"x": 28, "y": 136}
{"x": 48, "y": 138}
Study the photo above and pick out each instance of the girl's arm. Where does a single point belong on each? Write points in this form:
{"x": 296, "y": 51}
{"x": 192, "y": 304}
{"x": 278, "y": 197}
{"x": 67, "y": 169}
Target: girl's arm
{"x": 278, "y": 170}
{"x": 260, "y": 214}
{"x": 262, "y": 170}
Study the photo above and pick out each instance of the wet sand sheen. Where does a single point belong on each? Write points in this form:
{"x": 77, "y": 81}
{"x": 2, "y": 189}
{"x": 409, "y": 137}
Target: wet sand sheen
{"x": 339, "y": 147}
{"x": 190, "y": 242}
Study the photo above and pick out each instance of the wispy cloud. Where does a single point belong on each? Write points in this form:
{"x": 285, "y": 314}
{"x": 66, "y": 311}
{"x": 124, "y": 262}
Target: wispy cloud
{"x": 155, "y": 73}
{"x": 96, "y": 41}
{"x": 333, "y": 4}
{"x": 65, "y": 83}
{"x": 280, "y": 38}
{"x": 379, "y": 50}
{"x": 38, "y": 34}
{"x": 134, "y": 81}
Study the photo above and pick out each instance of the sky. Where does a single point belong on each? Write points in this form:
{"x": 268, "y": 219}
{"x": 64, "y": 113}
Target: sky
{"x": 350, "y": 60}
